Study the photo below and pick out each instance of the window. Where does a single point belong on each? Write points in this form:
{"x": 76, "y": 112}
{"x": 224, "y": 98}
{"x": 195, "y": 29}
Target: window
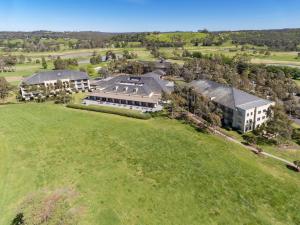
{"x": 247, "y": 114}
{"x": 259, "y": 112}
{"x": 258, "y": 119}
{"x": 264, "y": 110}
{"x": 251, "y": 113}
{"x": 263, "y": 117}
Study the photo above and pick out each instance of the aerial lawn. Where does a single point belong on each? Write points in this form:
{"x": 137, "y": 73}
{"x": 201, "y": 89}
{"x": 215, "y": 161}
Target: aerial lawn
{"x": 130, "y": 171}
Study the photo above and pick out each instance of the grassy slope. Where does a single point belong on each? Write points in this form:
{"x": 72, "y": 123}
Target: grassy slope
{"x": 139, "y": 172}
{"x": 291, "y": 153}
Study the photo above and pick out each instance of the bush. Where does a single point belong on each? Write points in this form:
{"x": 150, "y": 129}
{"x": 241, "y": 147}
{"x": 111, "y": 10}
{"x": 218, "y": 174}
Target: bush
{"x": 111, "y": 110}
{"x": 250, "y": 139}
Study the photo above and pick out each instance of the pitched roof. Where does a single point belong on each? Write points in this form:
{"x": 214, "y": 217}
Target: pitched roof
{"x": 41, "y": 77}
{"x": 144, "y": 85}
{"x": 228, "y": 96}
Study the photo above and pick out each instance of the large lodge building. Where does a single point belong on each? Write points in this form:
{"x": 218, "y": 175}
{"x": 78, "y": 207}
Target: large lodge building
{"x": 70, "y": 80}
{"x": 142, "y": 93}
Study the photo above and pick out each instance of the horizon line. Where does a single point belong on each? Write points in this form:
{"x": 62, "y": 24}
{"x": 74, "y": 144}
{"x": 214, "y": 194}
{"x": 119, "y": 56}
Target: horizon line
{"x": 153, "y": 31}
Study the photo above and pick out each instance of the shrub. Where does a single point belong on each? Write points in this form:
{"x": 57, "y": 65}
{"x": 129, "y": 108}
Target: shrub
{"x": 112, "y": 110}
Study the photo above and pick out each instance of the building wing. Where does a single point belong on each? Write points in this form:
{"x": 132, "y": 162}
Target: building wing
{"x": 41, "y": 77}
{"x": 228, "y": 96}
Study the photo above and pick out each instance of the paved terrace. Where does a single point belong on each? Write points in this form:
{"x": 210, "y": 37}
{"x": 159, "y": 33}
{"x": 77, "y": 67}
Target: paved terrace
{"x": 124, "y": 106}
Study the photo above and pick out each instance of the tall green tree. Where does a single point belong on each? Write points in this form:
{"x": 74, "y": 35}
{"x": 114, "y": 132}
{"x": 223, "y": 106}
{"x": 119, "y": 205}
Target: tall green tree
{"x": 44, "y": 63}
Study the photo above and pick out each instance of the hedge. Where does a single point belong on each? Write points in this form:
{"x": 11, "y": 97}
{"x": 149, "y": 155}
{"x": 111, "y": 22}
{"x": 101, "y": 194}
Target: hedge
{"x": 112, "y": 110}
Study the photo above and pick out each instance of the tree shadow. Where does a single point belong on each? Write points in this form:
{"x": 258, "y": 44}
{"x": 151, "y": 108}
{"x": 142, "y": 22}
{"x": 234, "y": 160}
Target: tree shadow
{"x": 293, "y": 168}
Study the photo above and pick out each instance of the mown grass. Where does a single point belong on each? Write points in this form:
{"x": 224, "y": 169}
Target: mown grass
{"x": 130, "y": 171}
{"x": 24, "y": 70}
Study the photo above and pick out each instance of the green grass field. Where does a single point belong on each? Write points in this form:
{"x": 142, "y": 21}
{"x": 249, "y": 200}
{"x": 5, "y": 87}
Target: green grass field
{"x": 130, "y": 171}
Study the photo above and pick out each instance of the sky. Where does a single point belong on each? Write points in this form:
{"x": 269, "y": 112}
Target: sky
{"x": 147, "y": 15}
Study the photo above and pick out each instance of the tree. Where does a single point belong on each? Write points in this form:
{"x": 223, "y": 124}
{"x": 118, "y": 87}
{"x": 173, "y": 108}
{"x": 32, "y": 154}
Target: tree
{"x": 62, "y": 97}
{"x": 4, "y": 88}
{"x": 279, "y": 127}
{"x": 155, "y": 52}
{"x": 186, "y": 53}
{"x": 175, "y": 70}
{"x": 44, "y": 63}
{"x": 96, "y": 59}
{"x": 22, "y": 59}
{"x": 250, "y": 139}
{"x": 59, "y": 64}
{"x": 103, "y": 72}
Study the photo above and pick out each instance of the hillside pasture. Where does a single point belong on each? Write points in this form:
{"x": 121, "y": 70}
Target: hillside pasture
{"x": 130, "y": 171}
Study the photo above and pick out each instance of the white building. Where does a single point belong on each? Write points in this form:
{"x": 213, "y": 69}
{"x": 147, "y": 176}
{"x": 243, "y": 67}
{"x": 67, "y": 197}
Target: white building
{"x": 70, "y": 81}
{"x": 241, "y": 111}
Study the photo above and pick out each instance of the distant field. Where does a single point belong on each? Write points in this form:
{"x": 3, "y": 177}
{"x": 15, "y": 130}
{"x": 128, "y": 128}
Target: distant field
{"x": 83, "y": 55}
{"x": 129, "y": 171}
{"x": 170, "y": 37}
{"x": 23, "y": 70}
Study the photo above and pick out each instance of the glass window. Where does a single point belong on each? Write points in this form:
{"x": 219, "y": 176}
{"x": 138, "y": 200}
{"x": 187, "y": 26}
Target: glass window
{"x": 258, "y": 119}
{"x": 259, "y": 112}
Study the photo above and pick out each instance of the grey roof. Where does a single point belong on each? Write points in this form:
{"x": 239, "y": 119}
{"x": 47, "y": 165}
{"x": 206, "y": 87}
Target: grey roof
{"x": 158, "y": 65}
{"x": 228, "y": 96}
{"x": 138, "y": 85}
{"x": 41, "y": 77}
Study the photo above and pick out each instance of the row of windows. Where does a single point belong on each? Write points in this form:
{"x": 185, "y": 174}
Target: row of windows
{"x": 258, "y": 119}
{"x": 259, "y": 112}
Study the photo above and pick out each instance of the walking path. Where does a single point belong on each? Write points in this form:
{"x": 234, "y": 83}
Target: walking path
{"x": 252, "y": 148}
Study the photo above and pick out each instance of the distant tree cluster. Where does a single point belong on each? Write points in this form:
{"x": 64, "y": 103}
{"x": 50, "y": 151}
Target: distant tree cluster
{"x": 41, "y": 41}
{"x": 285, "y": 39}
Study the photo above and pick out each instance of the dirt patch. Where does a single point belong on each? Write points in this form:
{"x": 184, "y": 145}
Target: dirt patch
{"x": 14, "y": 78}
